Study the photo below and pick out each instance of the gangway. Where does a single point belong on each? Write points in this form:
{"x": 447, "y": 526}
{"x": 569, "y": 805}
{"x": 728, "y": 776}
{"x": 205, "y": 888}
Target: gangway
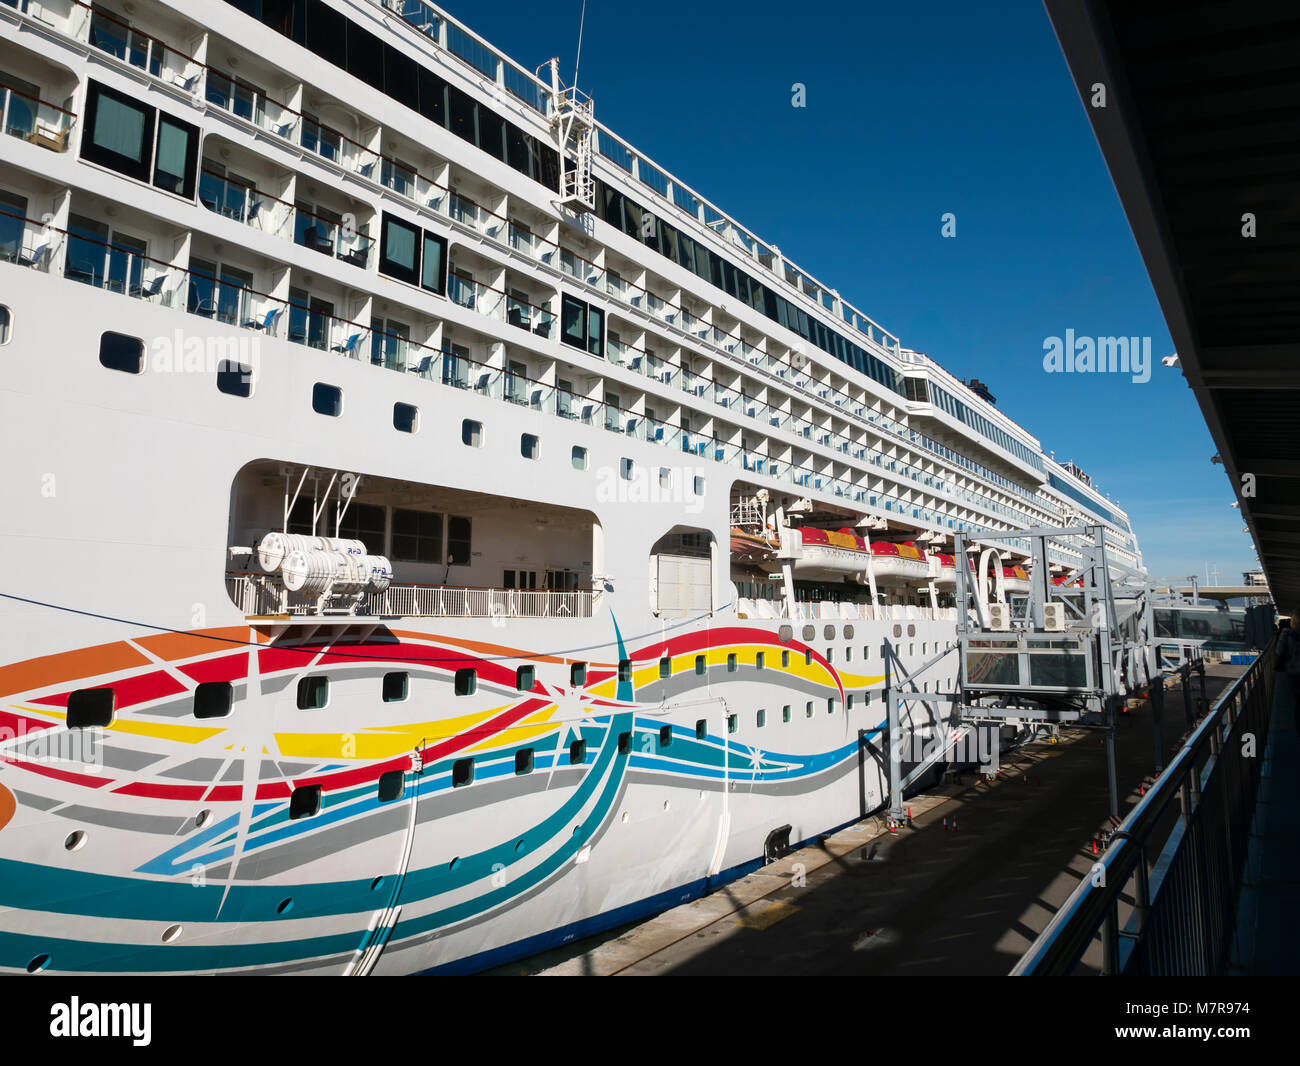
{"x": 1062, "y": 654}
{"x": 573, "y": 119}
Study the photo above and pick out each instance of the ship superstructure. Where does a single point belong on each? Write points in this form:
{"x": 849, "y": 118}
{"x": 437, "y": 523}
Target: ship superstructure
{"x": 445, "y": 533}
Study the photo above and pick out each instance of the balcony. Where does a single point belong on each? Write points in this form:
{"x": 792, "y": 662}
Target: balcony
{"x": 245, "y": 204}
{"x": 127, "y": 43}
{"x": 35, "y": 120}
{"x": 329, "y": 236}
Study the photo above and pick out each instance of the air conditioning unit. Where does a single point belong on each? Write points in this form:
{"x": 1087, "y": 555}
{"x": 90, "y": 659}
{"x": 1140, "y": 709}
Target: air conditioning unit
{"x": 1054, "y": 616}
{"x": 999, "y": 616}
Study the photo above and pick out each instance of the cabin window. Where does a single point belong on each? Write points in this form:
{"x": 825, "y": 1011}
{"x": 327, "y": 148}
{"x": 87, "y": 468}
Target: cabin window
{"x": 731, "y": 663}
{"x": 808, "y": 709}
{"x": 88, "y": 707}
{"x": 304, "y": 801}
{"x": 525, "y": 678}
{"x": 529, "y": 446}
{"x": 760, "y": 719}
{"x": 759, "y": 660}
{"x": 327, "y": 400}
{"x": 665, "y": 667}
{"x": 523, "y": 761}
{"x": 120, "y": 132}
{"x": 785, "y": 713}
{"x": 313, "y": 692}
{"x": 665, "y": 735}
{"x": 785, "y": 659}
{"x": 624, "y": 743}
{"x": 579, "y": 458}
{"x": 6, "y": 317}
{"x": 699, "y": 664}
{"x": 625, "y": 670}
{"x": 625, "y": 469}
{"x": 785, "y": 634}
{"x": 392, "y": 785}
{"x": 471, "y": 433}
{"x": 234, "y": 379}
{"x": 699, "y": 486}
{"x": 462, "y": 773}
{"x": 406, "y": 417}
{"x": 396, "y": 686}
{"x": 578, "y": 674}
{"x": 213, "y": 699}
{"x": 176, "y": 161}
{"x": 733, "y": 723}
{"x": 466, "y": 681}
{"x": 577, "y": 753}
{"x": 701, "y": 729}
{"x": 117, "y": 351}
{"x": 433, "y": 272}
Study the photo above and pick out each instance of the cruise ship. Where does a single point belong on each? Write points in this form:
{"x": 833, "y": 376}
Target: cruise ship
{"x": 445, "y": 534}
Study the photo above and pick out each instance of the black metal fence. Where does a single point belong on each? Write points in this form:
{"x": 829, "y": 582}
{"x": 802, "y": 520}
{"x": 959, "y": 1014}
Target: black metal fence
{"x": 1163, "y": 896}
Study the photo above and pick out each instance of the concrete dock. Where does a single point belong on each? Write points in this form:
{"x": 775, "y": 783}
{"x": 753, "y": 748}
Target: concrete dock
{"x": 924, "y": 900}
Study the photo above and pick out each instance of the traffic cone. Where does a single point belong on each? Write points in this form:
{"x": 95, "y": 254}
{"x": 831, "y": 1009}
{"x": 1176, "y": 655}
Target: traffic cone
{"x": 945, "y": 823}
{"x": 1142, "y": 789}
{"x": 909, "y": 817}
{"x": 954, "y": 823}
{"x": 1094, "y": 845}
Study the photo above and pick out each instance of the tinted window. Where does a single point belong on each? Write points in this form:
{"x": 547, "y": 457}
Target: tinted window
{"x": 399, "y": 249}
{"x": 434, "y": 273}
{"x": 117, "y": 351}
{"x": 120, "y": 132}
{"x": 234, "y": 379}
{"x": 573, "y": 322}
{"x": 176, "y": 161}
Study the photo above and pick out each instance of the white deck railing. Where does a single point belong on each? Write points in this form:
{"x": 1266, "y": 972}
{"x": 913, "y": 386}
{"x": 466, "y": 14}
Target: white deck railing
{"x": 255, "y": 594}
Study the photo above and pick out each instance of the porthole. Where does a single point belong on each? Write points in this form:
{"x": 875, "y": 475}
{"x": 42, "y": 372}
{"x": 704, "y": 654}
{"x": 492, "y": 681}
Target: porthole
{"x": 625, "y": 469}
{"x": 376, "y": 884}
{"x": 785, "y": 634}
{"x": 898, "y": 631}
{"x": 785, "y": 713}
{"x": 75, "y": 841}
{"x": 38, "y": 964}
{"x": 529, "y": 446}
{"x": 327, "y": 399}
{"x": 829, "y": 633}
{"x": 284, "y": 906}
{"x": 406, "y": 418}
{"x": 624, "y": 743}
{"x": 466, "y": 681}
{"x": 91, "y": 707}
{"x": 313, "y": 692}
{"x": 117, "y": 351}
{"x": 304, "y": 802}
{"x": 759, "y": 660}
{"x": 808, "y": 710}
{"x": 6, "y": 319}
{"x": 462, "y": 773}
{"x": 731, "y": 663}
{"x": 213, "y": 699}
{"x": 171, "y": 934}
{"x": 665, "y": 735}
{"x": 699, "y": 486}
{"x": 848, "y": 632}
{"x": 785, "y": 659}
{"x": 396, "y": 686}
{"x": 701, "y": 729}
{"x": 579, "y": 458}
{"x": 202, "y": 818}
{"x": 578, "y": 674}
{"x": 525, "y": 678}
{"x": 234, "y": 379}
{"x": 809, "y": 632}
{"x": 392, "y": 785}
{"x": 911, "y": 631}
{"x": 665, "y": 668}
{"x": 471, "y": 433}
{"x": 523, "y": 762}
{"x": 699, "y": 664}
{"x": 760, "y": 719}
{"x": 577, "y": 753}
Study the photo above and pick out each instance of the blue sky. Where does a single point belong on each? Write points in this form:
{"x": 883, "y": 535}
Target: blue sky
{"x": 912, "y": 111}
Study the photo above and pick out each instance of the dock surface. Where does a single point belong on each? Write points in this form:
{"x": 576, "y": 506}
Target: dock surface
{"x": 924, "y": 900}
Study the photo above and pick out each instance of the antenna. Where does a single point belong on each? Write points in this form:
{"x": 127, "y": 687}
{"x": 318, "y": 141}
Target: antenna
{"x": 581, "y": 22}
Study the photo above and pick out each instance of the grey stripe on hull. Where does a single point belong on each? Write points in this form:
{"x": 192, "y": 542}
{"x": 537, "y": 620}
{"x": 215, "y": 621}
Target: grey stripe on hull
{"x": 139, "y": 823}
{"x": 184, "y": 706}
{"x": 64, "y": 745}
{"x": 460, "y": 800}
{"x": 259, "y": 865}
{"x": 30, "y": 799}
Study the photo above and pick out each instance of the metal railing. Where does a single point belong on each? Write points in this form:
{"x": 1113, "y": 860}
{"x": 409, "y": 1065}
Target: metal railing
{"x": 1178, "y": 855}
{"x": 256, "y": 594}
{"x": 35, "y": 120}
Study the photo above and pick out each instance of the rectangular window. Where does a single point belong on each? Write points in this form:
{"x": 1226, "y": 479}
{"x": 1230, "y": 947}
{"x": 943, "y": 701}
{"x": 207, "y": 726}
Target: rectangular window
{"x": 458, "y": 541}
{"x": 395, "y": 686}
{"x": 417, "y": 536}
{"x": 578, "y": 674}
{"x": 701, "y": 729}
{"x": 525, "y": 678}
{"x": 466, "y": 681}
{"x": 523, "y": 761}
{"x": 462, "y": 773}
{"x": 433, "y": 274}
{"x": 176, "y": 162}
{"x": 573, "y": 322}
{"x": 595, "y": 332}
{"x": 399, "y": 249}
{"x": 121, "y": 132}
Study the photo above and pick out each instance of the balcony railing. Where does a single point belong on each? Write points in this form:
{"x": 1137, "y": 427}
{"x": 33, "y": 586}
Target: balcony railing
{"x": 330, "y": 237}
{"x": 35, "y": 120}
{"x": 111, "y": 35}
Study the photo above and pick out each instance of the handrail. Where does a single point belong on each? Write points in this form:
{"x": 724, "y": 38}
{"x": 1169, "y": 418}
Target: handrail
{"x": 1184, "y": 932}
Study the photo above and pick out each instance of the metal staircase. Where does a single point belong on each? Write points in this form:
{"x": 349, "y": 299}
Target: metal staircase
{"x": 573, "y": 119}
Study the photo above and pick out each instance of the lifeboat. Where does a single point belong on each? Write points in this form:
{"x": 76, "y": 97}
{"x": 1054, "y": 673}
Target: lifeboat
{"x": 1064, "y": 579}
{"x": 842, "y": 552}
{"x": 1015, "y": 579}
{"x": 943, "y": 568}
{"x": 751, "y": 548}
